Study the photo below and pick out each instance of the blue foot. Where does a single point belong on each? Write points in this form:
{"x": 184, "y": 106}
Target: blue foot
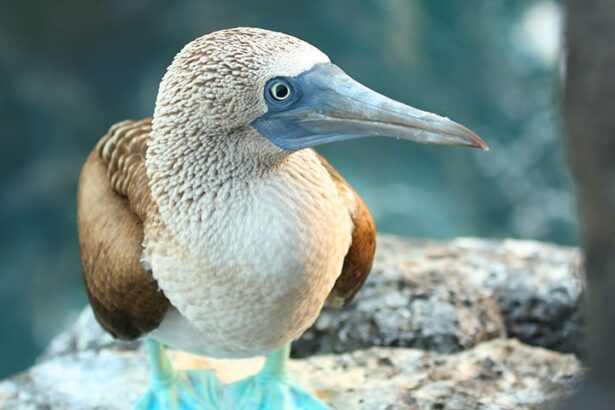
{"x": 178, "y": 390}
{"x": 271, "y": 389}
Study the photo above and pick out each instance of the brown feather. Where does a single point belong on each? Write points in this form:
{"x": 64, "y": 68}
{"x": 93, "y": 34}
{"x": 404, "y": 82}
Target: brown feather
{"x": 360, "y": 256}
{"x": 112, "y": 202}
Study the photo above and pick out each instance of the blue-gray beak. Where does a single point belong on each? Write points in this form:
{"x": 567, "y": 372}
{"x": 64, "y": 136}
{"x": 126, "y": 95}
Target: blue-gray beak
{"x": 325, "y": 105}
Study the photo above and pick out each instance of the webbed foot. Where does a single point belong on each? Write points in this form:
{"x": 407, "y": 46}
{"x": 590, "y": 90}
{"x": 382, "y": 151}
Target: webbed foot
{"x": 178, "y": 390}
{"x": 271, "y": 389}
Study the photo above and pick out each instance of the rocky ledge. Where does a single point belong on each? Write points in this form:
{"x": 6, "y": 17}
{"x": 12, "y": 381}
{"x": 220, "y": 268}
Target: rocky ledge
{"x": 465, "y": 324}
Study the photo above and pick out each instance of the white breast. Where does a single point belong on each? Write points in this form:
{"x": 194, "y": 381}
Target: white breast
{"x": 253, "y": 270}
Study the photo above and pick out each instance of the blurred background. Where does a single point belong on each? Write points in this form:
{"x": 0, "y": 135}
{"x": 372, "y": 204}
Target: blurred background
{"x": 70, "y": 69}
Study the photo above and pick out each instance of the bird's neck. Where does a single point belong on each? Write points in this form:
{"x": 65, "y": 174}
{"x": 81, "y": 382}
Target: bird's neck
{"x": 183, "y": 168}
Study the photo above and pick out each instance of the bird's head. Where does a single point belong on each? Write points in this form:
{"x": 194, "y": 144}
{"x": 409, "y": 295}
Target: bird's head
{"x": 271, "y": 92}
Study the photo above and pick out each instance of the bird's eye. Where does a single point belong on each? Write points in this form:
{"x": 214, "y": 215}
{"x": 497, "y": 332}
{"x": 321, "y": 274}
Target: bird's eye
{"x": 279, "y": 91}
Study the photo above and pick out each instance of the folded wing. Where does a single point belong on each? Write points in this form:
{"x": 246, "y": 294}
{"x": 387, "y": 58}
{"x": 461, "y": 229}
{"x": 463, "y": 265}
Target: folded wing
{"x": 360, "y": 256}
{"x": 113, "y": 201}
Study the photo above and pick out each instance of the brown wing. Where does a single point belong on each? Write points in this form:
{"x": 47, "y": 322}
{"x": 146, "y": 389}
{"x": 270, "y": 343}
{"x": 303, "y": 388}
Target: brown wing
{"x": 113, "y": 200}
{"x": 360, "y": 256}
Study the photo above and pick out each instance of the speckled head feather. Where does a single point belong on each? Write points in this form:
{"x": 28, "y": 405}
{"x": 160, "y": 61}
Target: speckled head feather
{"x": 215, "y": 83}
{"x": 211, "y": 92}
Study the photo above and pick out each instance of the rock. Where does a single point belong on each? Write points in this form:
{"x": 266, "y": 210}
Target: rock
{"x": 407, "y": 306}
{"x": 427, "y": 331}
{"x": 84, "y": 334}
{"x": 448, "y": 296}
{"x": 499, "y": 374}
{"x": 540, "y": 288}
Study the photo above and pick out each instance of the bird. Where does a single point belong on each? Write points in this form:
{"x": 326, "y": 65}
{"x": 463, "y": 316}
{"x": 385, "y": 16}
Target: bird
{"x": 214, "y": 227}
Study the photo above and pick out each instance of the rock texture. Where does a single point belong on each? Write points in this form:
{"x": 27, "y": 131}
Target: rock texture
{"x": 500, "y": 374}
{"x": 448, "y": 296}
{"x": 428, "y": 331}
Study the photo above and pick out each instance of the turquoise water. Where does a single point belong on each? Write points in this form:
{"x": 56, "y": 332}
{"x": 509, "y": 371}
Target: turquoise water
{"x": 71, "y": 70}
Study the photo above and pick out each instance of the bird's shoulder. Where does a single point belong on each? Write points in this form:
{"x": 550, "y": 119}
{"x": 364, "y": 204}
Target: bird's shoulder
{"x": 113, "y": 200}
{"x": 122, "y": 150}
{"x": 359, "y": 259}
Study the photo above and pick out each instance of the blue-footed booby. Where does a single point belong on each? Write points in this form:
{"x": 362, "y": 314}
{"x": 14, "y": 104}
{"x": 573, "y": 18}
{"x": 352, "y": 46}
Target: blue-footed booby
{"x": 215, "y": 228}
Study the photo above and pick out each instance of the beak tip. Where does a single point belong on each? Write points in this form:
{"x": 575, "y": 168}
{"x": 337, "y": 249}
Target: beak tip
{"x": 477, "y": 141}
{"x": 466, "y": 136}
{"x": 483, "y": 146}
{"x": 474, "y": 141}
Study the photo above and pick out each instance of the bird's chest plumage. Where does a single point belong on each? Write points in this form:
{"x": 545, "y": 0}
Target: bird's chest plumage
{"x": 252, "y": 270}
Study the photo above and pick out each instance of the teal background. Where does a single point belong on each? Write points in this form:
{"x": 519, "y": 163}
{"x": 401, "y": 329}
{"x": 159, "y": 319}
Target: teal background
{"x": 70, "y": 69}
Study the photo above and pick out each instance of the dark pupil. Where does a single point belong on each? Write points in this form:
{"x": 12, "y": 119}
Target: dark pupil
{"x": 280, "y": 91}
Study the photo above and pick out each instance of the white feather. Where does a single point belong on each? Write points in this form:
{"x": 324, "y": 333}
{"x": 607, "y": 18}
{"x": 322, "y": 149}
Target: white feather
{"x": 255, "y": 272}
